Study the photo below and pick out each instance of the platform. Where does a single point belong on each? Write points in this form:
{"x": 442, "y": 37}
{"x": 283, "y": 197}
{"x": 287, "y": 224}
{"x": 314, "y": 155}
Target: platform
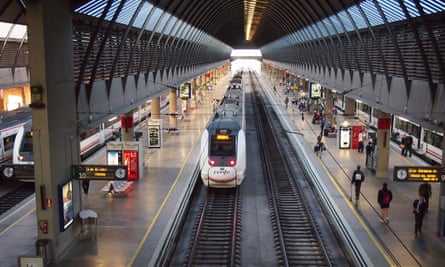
{"x": 129, "y": 228}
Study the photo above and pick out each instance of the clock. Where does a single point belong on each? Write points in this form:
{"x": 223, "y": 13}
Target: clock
{"x": 120, "y": 173}
{"x": 8, "y": 172}
{"x": 402, "y": 174}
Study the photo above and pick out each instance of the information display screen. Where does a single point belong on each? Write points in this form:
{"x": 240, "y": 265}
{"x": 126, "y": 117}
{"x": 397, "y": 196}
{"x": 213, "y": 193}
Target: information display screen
{"x": 419, "y": 173}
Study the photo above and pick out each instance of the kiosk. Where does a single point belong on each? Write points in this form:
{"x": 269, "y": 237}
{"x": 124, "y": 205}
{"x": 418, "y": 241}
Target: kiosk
{"x": 128, "y": 153}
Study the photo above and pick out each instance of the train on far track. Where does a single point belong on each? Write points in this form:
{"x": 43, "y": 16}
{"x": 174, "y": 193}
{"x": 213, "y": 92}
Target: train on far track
{"x": 223, "y": 143}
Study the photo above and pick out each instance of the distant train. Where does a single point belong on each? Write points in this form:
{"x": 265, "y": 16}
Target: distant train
{"x": 8, "y": 135}
{"x": 223, "y": 143}
{"x": 427, "y": 143}
{"x": 91, "y": 141}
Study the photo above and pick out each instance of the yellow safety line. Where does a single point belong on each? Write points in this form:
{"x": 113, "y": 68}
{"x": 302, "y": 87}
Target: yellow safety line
{"x": 161, "y": 207}
{"x": 16, "y": 222}
{"x": 359, "y": 218}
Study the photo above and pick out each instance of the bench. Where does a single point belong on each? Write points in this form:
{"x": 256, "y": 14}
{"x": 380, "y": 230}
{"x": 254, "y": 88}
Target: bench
{"x": 117, "y": 187}
{"x": 330, "y": 133}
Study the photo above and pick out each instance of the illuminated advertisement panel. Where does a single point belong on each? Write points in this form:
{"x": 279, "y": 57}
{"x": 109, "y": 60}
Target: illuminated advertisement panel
{"x": 66, "y": 210}
{"x": 315, "y": 91}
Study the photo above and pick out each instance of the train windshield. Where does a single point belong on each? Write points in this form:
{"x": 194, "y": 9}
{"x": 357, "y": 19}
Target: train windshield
{"x": 222, "y": 145}
{"x": 27, "y": 142}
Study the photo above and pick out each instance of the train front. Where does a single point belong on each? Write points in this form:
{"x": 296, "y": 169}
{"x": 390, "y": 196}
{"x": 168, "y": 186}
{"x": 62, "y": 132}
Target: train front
{"x": 226, "y": 161}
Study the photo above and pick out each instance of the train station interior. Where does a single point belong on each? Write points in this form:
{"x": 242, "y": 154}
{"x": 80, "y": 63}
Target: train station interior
{"x": 120, "y": 93}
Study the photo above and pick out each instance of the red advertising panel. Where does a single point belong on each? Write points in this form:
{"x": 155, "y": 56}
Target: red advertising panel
{"x": 384, "y": 123}
{"x": 131, "y": 160}
{"x": 355, "y": 133}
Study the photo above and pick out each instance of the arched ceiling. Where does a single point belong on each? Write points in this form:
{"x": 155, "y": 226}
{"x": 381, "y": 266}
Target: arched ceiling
{"x": 226, "y": 20}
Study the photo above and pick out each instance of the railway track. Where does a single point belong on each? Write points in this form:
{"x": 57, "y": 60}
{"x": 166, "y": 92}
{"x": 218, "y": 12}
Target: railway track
{"x": 297, "y": 238}
{"x": 217, "y": 232}
{"x": 15, "y": 196}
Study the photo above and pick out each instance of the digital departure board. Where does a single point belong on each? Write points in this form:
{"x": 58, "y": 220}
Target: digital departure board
{"x": 419, "y": 173}
{"x": 100, "y": 172}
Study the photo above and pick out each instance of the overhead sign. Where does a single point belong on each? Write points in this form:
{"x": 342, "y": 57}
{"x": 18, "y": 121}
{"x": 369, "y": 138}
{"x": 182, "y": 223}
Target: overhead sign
{"x": 17, "y": 171}
{"x": 419, "y": 173}
{"x": 100, "y": 172}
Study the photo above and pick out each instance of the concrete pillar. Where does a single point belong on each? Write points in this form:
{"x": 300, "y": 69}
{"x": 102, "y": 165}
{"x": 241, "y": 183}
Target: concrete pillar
{"x": 441, "y": 212}
{"x": 383, "y": 145}
{"x": 329, "y": 105}
{"x": 173, "y": 111}
{"x": 156, "y": 108}
{"x": 194, "y": 101}
{"x": 127, "y": 130}
{"x": 50, "y": 45}
{"x": 349, "y": 108}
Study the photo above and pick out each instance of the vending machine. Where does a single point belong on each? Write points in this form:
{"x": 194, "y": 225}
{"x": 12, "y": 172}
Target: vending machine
{"x": 345, "y": 137}
{"x": 356, "y": 130}
{"x": 128, "y": 153}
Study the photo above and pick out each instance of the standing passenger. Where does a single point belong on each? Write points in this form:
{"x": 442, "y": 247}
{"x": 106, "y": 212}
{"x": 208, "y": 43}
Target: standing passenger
{"x": 286, "y": 101}
{"x": 360, "y": 141}
{"x": 425, "y": 191}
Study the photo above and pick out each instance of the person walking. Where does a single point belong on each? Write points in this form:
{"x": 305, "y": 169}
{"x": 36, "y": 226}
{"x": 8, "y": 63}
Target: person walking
{"x": 358, "y": 177}
{"x": 286, "y": 101}
{"x": 384, "y": 197}
{"x": 320, "y": 144}
{"x": 425, "y": 191}
{"x": 419, "y": 208}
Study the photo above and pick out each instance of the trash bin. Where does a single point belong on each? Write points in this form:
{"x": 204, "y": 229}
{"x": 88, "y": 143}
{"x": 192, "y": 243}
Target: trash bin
{"x": 89, "y": 224}
{"x": 43, "y": 249}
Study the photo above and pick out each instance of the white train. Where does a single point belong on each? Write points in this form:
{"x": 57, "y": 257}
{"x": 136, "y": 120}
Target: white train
{"x": 223, "y": 143}
{"x": 8, "y": 135}
{"x": 90, "y": 140}
{"x": 427, "y": 143}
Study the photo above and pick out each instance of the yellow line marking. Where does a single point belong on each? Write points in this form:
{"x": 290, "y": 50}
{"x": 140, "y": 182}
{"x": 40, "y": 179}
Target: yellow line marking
{"x": 161, "y": 207}
{"x": 17, "y": 221}
{"x": 351, "y": 207}
{"x": 358, "y": 217}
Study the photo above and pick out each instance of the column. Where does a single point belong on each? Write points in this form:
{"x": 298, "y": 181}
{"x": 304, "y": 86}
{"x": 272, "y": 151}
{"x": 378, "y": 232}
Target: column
{"x": 156, "y": 108}
{"x": 127, "y": 130}
{"x": 55, "y": 142}
{"x": 330, "y": 105}
{"x": 194, "y": 101}
{"x": 349, "y": 108}
{"x": 172, "y": 106}
{"x": 383, "y": 145}
{"x": 441, "y": 212}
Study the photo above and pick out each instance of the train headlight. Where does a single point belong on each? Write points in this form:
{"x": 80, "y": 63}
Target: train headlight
{"x": 212, "y": 162}
{"x": 232, "y": 162}
{"x": 21, "y": 158}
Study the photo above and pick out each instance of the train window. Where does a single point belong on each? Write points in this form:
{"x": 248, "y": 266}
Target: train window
{"x": 433, "y": 138}
{"x": 222, "y": 147}
{"x": 407, "y": 127}
{"x": 9, "y": 142}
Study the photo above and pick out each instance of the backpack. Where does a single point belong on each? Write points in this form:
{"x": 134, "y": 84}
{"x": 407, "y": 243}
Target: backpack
{"x": 386, "y": 197}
